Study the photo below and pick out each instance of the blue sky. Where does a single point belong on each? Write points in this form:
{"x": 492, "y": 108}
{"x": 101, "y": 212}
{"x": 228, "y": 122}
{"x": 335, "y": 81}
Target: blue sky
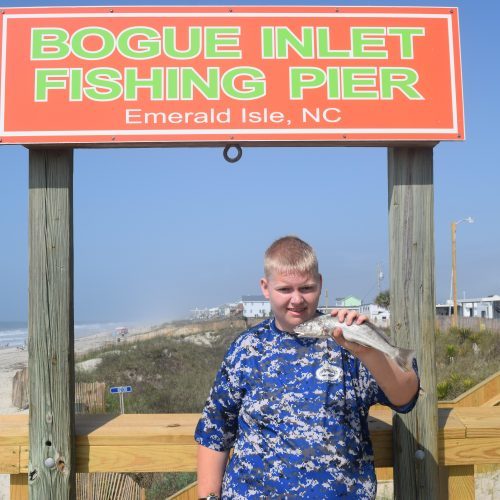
{"x": 160, "y": 231}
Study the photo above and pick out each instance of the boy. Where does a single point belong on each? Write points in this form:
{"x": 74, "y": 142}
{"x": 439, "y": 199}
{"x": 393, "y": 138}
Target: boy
{"x": 295, "y": 410}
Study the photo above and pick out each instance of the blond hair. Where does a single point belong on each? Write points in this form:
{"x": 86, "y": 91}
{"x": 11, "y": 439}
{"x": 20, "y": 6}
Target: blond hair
{"x": 290, "y": 255}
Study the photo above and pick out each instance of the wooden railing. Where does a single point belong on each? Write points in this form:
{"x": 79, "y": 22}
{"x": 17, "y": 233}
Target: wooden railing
{"x": 486, "y": 393}
{"x": 164, "y": 443}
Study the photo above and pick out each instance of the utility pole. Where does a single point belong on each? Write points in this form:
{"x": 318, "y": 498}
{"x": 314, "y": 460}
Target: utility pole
{"x": 470, "y": 220}
{"x": 380, "y": 277}
{"x": 454, "y": 320}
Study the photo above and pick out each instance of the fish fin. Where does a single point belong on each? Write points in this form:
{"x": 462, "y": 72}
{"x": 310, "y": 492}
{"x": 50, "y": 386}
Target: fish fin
{"x": 405, "y": 358}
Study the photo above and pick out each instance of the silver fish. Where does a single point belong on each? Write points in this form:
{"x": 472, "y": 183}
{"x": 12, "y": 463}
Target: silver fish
{"x": 366, "y": 334}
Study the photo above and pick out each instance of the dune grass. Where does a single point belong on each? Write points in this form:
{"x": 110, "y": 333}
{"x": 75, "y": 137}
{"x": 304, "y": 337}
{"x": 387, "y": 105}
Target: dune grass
{"x": 167, "y": 374}
{"x": 464, "y": 358}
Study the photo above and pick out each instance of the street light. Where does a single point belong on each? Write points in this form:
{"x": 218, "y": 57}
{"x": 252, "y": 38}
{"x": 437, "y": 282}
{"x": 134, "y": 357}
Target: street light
{"x": 454, "y": 225}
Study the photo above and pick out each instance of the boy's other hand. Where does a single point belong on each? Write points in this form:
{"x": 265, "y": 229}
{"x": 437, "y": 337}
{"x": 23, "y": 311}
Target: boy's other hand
{"x": 349, "y": 317}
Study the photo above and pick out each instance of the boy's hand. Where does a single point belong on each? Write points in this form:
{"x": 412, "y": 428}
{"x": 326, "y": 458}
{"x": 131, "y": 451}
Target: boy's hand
{"x": 349, "y": 317}
{"x": 399, "y": 386}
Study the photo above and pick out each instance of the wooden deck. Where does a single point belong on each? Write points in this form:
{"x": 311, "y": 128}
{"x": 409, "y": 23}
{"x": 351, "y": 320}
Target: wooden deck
{"x": 486, "y": 393}
{"x": 164, "y": 443}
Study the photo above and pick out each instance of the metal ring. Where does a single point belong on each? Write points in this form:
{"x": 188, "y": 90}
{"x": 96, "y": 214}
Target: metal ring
{"x": 232, "y": 159}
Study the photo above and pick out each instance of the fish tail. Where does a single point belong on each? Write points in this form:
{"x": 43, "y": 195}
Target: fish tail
{"x": 404, "y": 358}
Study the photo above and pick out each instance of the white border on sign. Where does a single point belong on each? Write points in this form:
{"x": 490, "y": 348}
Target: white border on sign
{"x": 288, "y": 131}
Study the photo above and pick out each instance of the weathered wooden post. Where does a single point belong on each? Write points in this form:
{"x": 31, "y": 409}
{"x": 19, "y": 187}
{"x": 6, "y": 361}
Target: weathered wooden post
{"x": 411, "y": 242}
{"x": 51, "y": 472}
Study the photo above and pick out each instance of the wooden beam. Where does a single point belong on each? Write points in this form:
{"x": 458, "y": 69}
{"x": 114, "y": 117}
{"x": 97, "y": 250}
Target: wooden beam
{"x": 19, "y": 487}
{"x": 51, "y": 333}
{"x": 457, "y": 482}
{"x": 159, "y": 458}
{"x": 165, "y": 442}
{"x": 9, "y": 459}
{"x": 411, "y": 241}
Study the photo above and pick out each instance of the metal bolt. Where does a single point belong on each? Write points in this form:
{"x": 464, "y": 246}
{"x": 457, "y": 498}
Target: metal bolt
{"x": 419, "y": 454}
{"x": 113, "y": 138}
{"x": 111, "y": 10}
{"x": 344, "y": 137}
{"x": 49, "y": 462}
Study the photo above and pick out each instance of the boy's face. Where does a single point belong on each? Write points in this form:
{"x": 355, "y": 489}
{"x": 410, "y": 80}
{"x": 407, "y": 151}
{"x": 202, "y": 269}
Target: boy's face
{"x": 293, "y": 297}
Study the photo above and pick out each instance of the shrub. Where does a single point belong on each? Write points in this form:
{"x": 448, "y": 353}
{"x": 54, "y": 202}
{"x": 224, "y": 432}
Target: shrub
{"x": 443, "y": 389}
{"x": 169, "y": 484}
{"x": 464, "y": 334}
{"x": 451, "y": 351}
{"x": 468, "y": 383}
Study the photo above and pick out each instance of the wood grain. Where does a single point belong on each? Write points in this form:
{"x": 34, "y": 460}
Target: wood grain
{"x": 456, "y": 482}
{"x": 411, "y": 245}
{"x": 172, "y": 458}
{"x": 466, "y": 436}
{"x": 9, "y": 459}
{"x": 19, "y": 487}
{"x": 50, "y": 324}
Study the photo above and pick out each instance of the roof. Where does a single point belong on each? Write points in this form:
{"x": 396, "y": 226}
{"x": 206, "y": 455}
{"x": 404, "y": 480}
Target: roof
{"x": 490, "y": 298}
{"x": 253, "y": 298}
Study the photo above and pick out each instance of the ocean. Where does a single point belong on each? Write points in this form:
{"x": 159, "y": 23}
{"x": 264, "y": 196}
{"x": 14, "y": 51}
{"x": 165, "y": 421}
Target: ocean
{"x": 15, "y": 333}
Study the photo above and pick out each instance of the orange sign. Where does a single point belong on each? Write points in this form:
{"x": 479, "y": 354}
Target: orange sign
{"x": 205, "y": 74}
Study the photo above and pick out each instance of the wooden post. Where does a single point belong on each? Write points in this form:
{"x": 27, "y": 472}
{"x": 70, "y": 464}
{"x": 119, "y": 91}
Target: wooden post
{"x": 19, "y": 487}
{"x": 411, "y": 235}
{"x": 456, "y": 482}
{"x": 51, "y": 331}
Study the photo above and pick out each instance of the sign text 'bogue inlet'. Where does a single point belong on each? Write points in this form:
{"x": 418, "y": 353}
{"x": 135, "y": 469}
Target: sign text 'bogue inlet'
{"x": 203, "y": 74}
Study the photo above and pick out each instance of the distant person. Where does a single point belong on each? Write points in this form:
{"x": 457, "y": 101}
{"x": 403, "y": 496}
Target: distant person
{"x": 295, "y": 410}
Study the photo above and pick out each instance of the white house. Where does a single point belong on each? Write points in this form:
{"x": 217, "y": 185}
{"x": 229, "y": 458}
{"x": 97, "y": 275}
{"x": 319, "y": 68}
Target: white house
{"x": 377, "y": 315}
{"x": 255, "y": 306}
{"x": 484, "y": 307}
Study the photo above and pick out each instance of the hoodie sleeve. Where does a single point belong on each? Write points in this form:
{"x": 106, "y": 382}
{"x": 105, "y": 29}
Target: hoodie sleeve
{"x": 373, "y": 394}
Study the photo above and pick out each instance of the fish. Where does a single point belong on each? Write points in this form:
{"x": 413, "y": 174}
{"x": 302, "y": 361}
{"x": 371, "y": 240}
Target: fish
{"x": 366, "y": 334}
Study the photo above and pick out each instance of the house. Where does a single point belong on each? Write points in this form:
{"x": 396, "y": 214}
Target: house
{"x": 484, "y": 307}
{"x": 255, "y": 306}
{"x": 349, "y": 302}
{"x": 231, "y": 309}
{"x": 378, "y": 315}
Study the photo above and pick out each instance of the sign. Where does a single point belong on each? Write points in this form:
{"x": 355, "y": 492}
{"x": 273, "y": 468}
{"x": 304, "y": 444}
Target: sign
{"x": 204, "y": 74}
{"x": 120, "y": 390}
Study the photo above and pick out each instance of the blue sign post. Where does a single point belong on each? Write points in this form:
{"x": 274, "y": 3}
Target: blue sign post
{"x": 121, "y": 390}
